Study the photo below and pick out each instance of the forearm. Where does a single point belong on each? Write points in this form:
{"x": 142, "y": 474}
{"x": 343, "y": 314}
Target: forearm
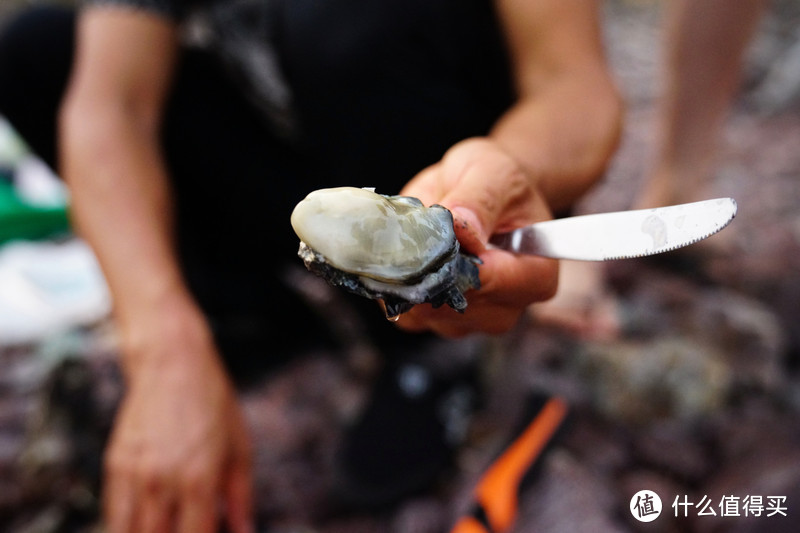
{"x": 566, "y": 123}
{"x": 121, "y": 204}
{"x": 110, "y": 156}
{"x": 179, "y": 426}
{"x": 564, "y": 135}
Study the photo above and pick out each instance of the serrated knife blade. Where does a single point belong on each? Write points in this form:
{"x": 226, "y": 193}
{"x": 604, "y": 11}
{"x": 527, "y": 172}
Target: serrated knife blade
{"x": 622, "y": 234}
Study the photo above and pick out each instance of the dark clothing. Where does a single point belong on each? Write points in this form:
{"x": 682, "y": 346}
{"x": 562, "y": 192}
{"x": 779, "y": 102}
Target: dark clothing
{"x": 35, "y": 61}
{"x": 379, "y": 90}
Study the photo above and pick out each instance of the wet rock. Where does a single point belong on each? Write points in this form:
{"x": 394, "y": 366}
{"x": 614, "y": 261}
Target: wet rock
{"x": 781, "y": 85}
{"x": 603, "y": 446}
{"x": 699, "y": 398}
{"x": 632, "y": 482}
{"x": 420, "y": 516}
{"x": 59, "y": 464}
{"x": 757, "y": 453}
{"x": 294, "y": 419}
{"x": 669, "y": 377}
{"x": 675, "y": 448}
{"x": 567, "y": 498}
{"x": 771, "y": 472}
{"x": 757, "y": 425}
{"x": 748, "y": 334}
{"x": 355, "y": 524}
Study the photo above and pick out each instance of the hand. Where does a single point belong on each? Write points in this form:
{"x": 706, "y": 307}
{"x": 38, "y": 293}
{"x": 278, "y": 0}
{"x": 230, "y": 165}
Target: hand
{"x": 487, "y": 192}
{"x": 179, "y": 448}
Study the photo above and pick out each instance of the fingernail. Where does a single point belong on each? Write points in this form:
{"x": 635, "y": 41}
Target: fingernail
{"x": 470, "y": 221}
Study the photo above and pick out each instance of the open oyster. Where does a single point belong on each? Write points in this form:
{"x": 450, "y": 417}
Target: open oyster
{"x": 390, "y": 248}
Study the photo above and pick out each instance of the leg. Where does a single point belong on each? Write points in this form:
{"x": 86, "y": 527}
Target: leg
{"x": 583, "y": 306}
{"x": 705, "y": 42}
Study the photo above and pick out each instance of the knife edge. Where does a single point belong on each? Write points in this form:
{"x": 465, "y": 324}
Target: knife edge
{"x": 621, "y": 234}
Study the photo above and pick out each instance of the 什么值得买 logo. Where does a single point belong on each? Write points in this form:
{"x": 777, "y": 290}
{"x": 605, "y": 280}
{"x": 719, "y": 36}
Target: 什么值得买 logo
{"x": 645, "y": 506}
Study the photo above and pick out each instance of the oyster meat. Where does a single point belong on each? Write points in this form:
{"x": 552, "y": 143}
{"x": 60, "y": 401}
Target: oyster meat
{"x": 389, "y": 248}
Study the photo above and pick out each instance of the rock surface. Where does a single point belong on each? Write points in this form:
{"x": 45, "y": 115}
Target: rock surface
{"x": 701, "y": 397}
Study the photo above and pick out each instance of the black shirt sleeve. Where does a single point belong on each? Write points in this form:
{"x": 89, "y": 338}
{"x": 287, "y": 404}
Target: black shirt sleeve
{"x": 172, "y": 9}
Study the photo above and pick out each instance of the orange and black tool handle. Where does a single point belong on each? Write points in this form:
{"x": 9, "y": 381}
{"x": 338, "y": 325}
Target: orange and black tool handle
{"x": 497, "y": 493}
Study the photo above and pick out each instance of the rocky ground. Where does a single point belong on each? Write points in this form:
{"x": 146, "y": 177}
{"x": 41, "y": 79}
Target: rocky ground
{"x": 700, "y": 397}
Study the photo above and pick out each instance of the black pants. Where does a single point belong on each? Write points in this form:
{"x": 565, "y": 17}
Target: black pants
{"x": 235, "y": 183}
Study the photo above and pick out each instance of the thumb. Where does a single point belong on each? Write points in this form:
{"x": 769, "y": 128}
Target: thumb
{"x": 486, "y": 187}
{"x": 469, "y": 229}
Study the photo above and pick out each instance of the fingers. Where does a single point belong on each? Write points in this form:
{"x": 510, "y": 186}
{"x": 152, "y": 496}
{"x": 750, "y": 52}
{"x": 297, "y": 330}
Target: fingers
{"x": 198, "y": 508}
{"x": 426, "y": 185}
{"x": 118, "y": 500}
{"x": 518, "y": 279}
{"x": 137, "y": 497}
{"x": 239, "y": 500}
{"x": 488, "y": 192}
{"x": 175, "y": 438}
{"x": 239, "y": 486}
{"x": 486, "y": 187}
{"x": 156, "y": 510}
{"x": 141, "y": 500}
{"x": 167, "y": 490}
{"x": 509, "y": 284}
{"x": 491, "y": 319}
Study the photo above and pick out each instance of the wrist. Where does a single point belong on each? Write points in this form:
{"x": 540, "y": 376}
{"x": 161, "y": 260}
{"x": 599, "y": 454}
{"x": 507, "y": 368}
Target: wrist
{"x": 171, "y": 329}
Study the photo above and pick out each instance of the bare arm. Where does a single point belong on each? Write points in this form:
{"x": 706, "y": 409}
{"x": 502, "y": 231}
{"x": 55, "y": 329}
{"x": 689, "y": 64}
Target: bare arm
{"x": 111, "y": 158}
{"x": 179, "y": 443}
{"x": 566, "y": 124}
{"x": 542, "y": 154}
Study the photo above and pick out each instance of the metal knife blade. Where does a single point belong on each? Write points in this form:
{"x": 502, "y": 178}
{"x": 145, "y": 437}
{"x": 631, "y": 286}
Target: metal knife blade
{"x": 620, "y": 235}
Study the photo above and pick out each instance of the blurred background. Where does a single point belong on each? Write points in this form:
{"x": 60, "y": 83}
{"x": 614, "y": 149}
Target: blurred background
{"x": 700, "y": 396}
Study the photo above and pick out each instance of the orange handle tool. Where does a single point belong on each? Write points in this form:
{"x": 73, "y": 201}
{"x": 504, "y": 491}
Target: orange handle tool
{"x": 497, "y": 493}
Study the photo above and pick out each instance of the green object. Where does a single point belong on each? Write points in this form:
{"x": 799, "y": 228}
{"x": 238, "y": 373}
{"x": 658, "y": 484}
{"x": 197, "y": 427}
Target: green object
{"x": 21, "y": 220}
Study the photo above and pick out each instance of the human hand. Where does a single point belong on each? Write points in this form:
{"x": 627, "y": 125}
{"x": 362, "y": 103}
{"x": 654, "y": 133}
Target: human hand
{"x": 179, "y": 448}
{"x": 487, "y": 192}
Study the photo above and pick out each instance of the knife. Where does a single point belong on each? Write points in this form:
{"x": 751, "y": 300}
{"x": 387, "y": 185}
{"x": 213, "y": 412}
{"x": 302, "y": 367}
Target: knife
{"x": 620, "y": 235}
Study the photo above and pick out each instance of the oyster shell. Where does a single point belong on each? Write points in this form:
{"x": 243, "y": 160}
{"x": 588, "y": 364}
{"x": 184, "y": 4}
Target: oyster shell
{"x": 390, "y": 248}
